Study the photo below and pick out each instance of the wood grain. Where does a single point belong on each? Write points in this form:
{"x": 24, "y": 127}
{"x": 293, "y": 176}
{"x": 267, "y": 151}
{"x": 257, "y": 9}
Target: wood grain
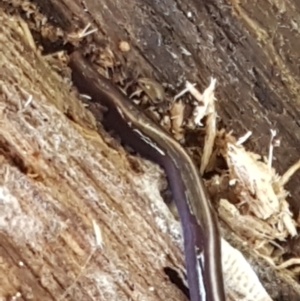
{"x": 59, "y": 178}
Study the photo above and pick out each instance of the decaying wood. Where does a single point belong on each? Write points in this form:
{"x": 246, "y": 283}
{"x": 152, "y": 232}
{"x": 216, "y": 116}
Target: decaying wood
{"x": 61, "y": 178}
{"x": 251, "y": 49}
{"x": 75, "y": 216}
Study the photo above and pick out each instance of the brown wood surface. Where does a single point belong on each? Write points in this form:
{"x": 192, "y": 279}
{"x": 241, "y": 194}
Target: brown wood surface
{"x": 58, "y": 178}
{"x": 58, "y": 174}
{"x": 251, "y": 47}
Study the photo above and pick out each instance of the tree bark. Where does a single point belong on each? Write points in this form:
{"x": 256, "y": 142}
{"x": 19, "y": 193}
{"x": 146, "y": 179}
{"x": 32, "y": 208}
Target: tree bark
{"x": 61, "y": 178}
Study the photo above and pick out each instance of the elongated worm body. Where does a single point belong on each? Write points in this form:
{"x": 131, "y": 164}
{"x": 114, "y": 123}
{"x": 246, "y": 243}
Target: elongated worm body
{"x": 199, "y": 225}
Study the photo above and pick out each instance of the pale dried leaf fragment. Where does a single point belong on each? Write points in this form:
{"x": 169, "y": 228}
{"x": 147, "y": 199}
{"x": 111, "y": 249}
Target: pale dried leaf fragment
{"x": 206, "y": 107}
{"x": 254, "y": 181}
{"x": 181, "y": 93}
{"x": 106, "y": 59}
{"x": 288, "y": 263}
{"x": 244, "y": 138}
{"x": 98, "y": 234}
{"x": 289, "y": 173}
{"x": 184, "y": 51}
{"x": 258, "y": 186}
{"x": 286, "y": 219}
{"x": 82, "y": 33}
{"x": 271, "y": 148}
{"x": 211, "y": 132}
{"x": 248, "y": 226}
{"x": 205, "y": 100}
{"x": 177, "y": 116}
{"x": 25, "y": 31}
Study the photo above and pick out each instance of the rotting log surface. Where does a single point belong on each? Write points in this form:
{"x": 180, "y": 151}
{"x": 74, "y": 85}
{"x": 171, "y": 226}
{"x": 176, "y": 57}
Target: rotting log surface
{"x": 58, "y": 179}
{"x": 250, "y": 47}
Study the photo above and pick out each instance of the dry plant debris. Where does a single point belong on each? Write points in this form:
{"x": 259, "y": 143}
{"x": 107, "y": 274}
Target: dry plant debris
{"x": 177, "y": 119}
{"x": 261, "y": 215}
